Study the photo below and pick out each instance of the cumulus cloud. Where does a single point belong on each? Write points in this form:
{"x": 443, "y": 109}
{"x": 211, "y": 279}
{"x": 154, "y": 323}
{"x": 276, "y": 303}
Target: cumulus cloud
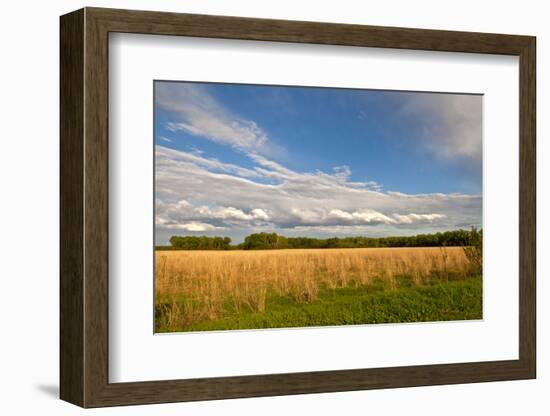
{"x": 195, "y": 193}
{"x": 259, "y": 214}
{"x": 184, "y": 215}
{"x": 412, "y": 217}
{"x": 321, "y": 216}
{"x": 231, "y": 213}
{"x": 195, "y": 226}
{"x": 363, "y": 216}
{"x": 198, "y": 113}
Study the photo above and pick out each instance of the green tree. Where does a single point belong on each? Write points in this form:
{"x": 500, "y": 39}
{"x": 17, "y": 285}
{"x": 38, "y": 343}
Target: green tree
{"x": 264, "y": 241}
{"x": 200, "y": 243}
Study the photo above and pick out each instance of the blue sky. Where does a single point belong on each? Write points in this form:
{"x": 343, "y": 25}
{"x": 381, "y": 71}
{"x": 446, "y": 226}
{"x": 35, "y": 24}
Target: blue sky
{"x": 233, "y": 159}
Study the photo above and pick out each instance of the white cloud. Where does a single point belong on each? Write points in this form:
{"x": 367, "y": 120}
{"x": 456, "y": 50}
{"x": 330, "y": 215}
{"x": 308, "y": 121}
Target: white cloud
{"x": 411, "y": 218}
{"x": 260, "y": 214}
{"x": 229, "y": 213}
{"x": 198, "y": 113}
{"x": 363, "y": 216}
{"x": 307, "y": 216}
{"x": 194, "y": 226}
{"x": 171, "y": 214}
{"x": 192, "y": 189}
{"x": 451, "y": 124}
{"x": 169, "y": 158}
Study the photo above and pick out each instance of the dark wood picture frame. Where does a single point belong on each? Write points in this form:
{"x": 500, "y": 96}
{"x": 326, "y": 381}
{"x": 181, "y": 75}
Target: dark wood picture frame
{"x": 84, "y": 207}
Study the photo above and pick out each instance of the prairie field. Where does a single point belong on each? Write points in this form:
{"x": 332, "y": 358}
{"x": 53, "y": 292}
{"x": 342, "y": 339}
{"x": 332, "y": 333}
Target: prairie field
{"x": 245, "y": 289}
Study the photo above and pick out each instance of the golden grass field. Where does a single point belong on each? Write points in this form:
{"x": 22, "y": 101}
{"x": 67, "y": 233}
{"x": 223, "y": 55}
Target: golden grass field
{"x": 204, "y": 282}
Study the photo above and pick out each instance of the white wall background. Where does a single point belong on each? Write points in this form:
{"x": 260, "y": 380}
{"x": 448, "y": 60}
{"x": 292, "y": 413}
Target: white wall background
{"x": 29, "y": 159}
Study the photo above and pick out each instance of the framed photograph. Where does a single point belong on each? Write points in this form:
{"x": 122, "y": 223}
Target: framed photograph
{"x": 255, "y": 207}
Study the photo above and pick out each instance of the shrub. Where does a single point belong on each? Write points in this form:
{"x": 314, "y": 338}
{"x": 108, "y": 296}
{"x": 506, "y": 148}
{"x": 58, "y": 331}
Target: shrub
{"x": 474, "y": 250}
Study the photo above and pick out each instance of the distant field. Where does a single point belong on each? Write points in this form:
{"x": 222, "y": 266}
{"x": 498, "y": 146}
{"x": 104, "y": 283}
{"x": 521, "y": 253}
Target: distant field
{"x": 216, "y": 290}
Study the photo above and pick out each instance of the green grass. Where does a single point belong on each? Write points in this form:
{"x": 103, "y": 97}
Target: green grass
{"x": 438, "y": 301}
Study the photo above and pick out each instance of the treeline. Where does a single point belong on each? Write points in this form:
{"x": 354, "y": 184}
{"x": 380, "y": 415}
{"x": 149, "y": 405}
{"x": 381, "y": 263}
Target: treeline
{"x": 267, "y": 241}
{"x": 200, "y": 243}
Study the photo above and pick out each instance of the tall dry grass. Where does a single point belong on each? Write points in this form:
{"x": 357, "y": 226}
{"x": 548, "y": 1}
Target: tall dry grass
{"x": 209, "y": 281}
